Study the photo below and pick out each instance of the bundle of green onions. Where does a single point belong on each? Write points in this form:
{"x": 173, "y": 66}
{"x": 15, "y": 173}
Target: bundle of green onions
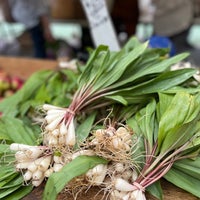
{"x": 131, "y": 122}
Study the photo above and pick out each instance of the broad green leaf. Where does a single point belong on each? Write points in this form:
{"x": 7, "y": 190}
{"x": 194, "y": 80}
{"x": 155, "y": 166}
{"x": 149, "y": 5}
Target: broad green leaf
{"x": 3, "y": 132}
{"x": 163, "y": 104}
{"x": 146, "y": 121}
{"x": 130, "y": 44}
{"x": 138, "y": 152}
{"x": 193, "y": 149}
{"x": 151, "y": 68}
{"x": 5, "y": 170}
{"x": 11, "y": 181}
{"x": 9, "y": 105}
{"x": 164, "y": 81}
{"x": 84, "y": 129}
{"x": 191, "y": 90}
{"x": 77, "y": 167}
{"x": 155, "y": 190}
{"x": 181, "y": 136}
{"x": 189, "y": 167}
{"x": 161, "y": 83}
{"x": 19, "y": 193}
{"x": 18, "y": 132}
{"x": 119, "y": 99}
{"x": 180, "y": 128}
{"x": 7, "y": 177}
{"x": 4, "y": 148}
{"x": 85, "y": 75}
{"x": 8, "y": 191}
{"x": 120, "y": 67}
{"x": 184, "y": 181}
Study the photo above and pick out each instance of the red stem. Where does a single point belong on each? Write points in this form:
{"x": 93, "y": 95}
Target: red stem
{"x": 154, "y": 174}
{"x": 158, "y": 176}
{"x": 148, "y": 159}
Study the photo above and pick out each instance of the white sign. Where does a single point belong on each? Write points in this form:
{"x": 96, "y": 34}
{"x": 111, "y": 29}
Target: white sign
{"x": 101, "y": 26}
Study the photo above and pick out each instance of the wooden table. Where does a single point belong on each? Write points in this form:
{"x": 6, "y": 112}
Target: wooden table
{"x": 24, "y": 67}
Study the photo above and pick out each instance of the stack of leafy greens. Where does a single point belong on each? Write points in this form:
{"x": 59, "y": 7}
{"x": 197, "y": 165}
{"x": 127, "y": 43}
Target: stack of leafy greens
{"x": 123, "y": 108}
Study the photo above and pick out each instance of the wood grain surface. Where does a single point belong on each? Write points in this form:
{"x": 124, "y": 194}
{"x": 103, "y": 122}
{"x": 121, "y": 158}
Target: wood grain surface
{"x": 24, "y": 67}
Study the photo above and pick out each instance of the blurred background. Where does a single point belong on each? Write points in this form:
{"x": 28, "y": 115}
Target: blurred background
{"x": 62, "y": 27}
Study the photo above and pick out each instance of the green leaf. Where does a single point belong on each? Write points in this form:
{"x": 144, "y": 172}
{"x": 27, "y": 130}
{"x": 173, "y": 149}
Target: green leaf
{"x": 9, "y": 105}
{"x": 3, "y": 132}
{"x": 17, "y": 131}
{"x": 189, "y": 167}
{"x": 164, "y": 81}
{"x": 184, "y": 181}
{"x": 140, "y": 70}
{"x": 85, "y": 127}
{"x": 180, "y": 128}
{"x": 12, "y": 181}
{"x": 120, "y": 67}
{"x": 6, "y": 171}
{"x": 77, "y": 167}
{"x": 145, "y": 119}
{"x": 85, "y": 75}
{"x": 4, "y": 148}
{"x": 5, "y": 192}
{"x": 163, "y": 104}
{"x": 155, "y": 190}
{"x": 119, "y": 99}
{"x": 20, "y": 193}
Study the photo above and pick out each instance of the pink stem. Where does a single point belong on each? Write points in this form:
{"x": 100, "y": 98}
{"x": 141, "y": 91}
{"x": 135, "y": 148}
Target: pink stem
{"x": 148, "y": 160}
{"x": 157, "y": 177}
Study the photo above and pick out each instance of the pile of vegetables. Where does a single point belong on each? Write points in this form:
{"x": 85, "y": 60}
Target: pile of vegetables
{"x": 121, "y": 122}
{"x": 9, "y": 84}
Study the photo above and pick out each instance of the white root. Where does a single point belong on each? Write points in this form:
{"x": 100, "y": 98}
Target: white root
{"x": 63, "y": 129}
{"x": 60, "y": 112}
{"x": 127, "y": 197}
{"x": 20, "y": 147}
{"x": 127, "y": 174}
{"x": 119, "y": 167}
{"x": 51, "y": 107}
{"x": 32, "y": 167}
{"x": 57, "y": 167}
{"x": 23, "y": 165}
{"x": 83, "y": 152}
{"x": 61, "y": 140}
{"x": 52, "y": 126}
{"x": 36, "y": 183}
{"x": 57, "y": 159}
{"x": 53, "y": 141}
{"x": 45, "y": 163}
{"x": 21, "y": 156}
{"x": 48, "y": 172}
{"x": 134, "y": 175}
{"x": 28, "y": 155}
{"x": 37, "y": 175}
{"x": 97, "y": 174}
{"x": 71, "y": 137}
{"x": 55, "y": 132}
{"x": 51, "y": 117}
{"x": 137, "y": 195}
{"x": 27, "y": 176}
{"x": 117, "y": 142}
{"x": 123, "y": 185}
